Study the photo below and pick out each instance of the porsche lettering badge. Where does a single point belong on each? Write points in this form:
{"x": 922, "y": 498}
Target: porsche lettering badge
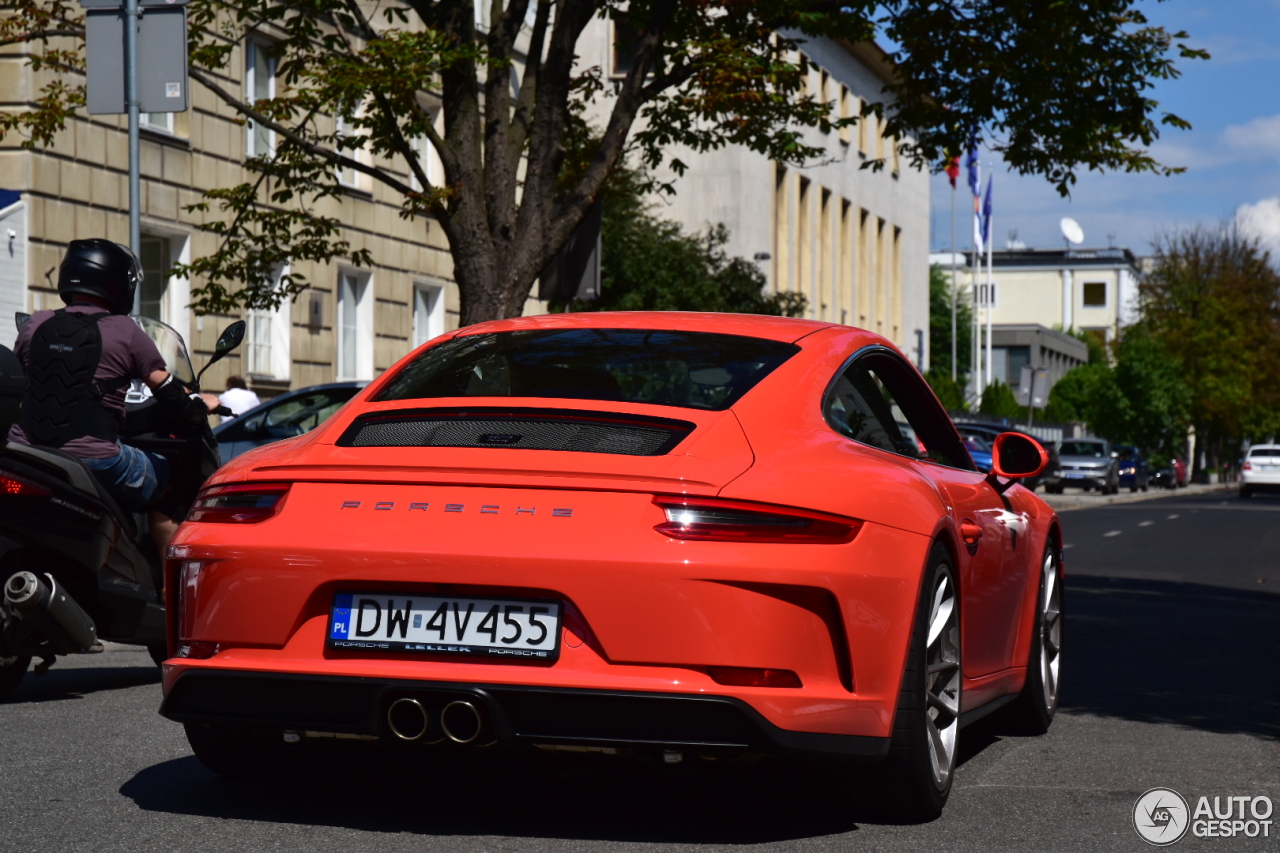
{"x": 487, "y": 509}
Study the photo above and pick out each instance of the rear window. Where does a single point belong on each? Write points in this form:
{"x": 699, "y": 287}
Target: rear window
{"x": 1264, "y": 451}
{"x": 691, "y": 370}
{"x": 1081, "y": 448}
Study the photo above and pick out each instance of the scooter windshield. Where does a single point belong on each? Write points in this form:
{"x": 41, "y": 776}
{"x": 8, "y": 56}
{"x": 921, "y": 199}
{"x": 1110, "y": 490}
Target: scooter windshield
{"x": 172, "y": 348}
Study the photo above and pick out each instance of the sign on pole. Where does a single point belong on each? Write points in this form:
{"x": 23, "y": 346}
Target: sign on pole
{"x": 1033, "y": 387}
{"x": 162, "y": 56}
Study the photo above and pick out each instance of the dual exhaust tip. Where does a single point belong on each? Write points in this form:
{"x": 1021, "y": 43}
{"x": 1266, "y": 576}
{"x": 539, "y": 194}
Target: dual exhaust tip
{"x": 460, "y": 721}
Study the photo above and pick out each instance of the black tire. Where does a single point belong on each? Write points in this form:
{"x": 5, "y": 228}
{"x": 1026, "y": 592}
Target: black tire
{"x": 237, "y": 753}
{"x": 1246, "y": 492}
{"x": 909, "y": 784}
{"x": 159, "y": 652}
{"x": 1133, "y": 490}
{"x": 1033, "y": 711}
{"x": 11, "y": 672}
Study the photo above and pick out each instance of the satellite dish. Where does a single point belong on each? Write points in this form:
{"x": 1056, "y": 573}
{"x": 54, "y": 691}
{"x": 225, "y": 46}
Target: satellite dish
{"x": 1071, "y": 230}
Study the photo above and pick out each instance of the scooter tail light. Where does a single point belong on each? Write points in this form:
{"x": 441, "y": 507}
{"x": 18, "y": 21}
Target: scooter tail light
{"x": 719, "y": 520}
{"x": 11, "y": 484}
{"x": 239, "y": 503}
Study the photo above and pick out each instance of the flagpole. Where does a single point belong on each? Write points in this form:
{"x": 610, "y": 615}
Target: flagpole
{"x": 991, "y": 302}
{"x": 953, "y": 279}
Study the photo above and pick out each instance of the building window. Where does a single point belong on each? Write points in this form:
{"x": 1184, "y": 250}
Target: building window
{"x": 862, "y": 126}
{"x": 428, "y": 313}
{"x": 156, "y": 264}
{"x": 626, "y": 38}
{"x": 428, "y": 158}
{"x": 845, "y": 101}
{"x": 267, "y": 345}
{"x": 987, "y": 294}
{"x": 355, "y": 326}
{"x": 1095, "y": 294}
{"x": 162, "y": 122}
{"x": 259, "y": 85}
{"x": 350, "y": 176}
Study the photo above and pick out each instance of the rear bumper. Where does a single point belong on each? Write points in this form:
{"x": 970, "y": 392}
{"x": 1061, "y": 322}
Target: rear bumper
{"x": 520, "y": 715}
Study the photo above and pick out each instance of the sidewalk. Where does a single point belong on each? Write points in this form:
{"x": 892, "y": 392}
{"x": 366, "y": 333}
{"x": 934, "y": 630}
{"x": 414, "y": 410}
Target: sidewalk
{"x": 1087, "y": 500}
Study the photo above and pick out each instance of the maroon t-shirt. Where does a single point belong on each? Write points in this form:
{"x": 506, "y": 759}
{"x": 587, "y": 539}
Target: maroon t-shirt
{"x": 127, "y": 352}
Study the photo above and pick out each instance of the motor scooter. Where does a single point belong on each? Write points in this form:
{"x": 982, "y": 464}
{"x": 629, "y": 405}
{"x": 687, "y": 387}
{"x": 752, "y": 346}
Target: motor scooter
{"x": 76, "y": 568}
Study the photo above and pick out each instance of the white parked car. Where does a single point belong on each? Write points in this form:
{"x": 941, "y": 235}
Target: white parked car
{"x": 1261, "y": 470}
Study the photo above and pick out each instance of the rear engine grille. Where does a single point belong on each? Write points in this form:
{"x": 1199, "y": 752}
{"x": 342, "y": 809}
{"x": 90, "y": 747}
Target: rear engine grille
{"x": 521, "y": 429}
{"x": 574, "y": 716}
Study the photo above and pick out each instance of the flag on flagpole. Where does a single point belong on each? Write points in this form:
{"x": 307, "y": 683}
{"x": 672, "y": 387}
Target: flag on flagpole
{"x": 986, "y": 213}
{"x": 975, "y": 187}
{"x": 953, "y": 170}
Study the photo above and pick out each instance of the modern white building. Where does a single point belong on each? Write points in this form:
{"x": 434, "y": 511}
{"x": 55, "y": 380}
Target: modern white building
{"x": 854, "y": 241}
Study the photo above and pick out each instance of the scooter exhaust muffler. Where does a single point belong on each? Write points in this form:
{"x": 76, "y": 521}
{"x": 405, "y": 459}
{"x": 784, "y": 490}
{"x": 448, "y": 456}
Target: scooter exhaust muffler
{"x": 50, "y": 612}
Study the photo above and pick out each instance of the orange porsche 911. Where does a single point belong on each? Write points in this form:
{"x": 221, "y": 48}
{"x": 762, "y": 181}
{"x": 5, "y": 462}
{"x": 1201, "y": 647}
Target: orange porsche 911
{"x": 683, "y": 536}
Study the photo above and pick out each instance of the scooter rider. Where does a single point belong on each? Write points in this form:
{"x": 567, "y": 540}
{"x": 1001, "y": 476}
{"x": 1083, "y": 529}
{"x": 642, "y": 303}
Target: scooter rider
{"x": 80, "y": 361}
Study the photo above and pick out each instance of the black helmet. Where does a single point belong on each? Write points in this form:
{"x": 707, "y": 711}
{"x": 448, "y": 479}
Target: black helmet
{"x": 103, "y": 269}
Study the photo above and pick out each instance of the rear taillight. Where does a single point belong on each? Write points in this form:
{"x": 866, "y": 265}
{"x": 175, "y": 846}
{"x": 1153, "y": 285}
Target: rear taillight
{"x": 742, "y": 676}
{"x": 1248, "y": 466}
{"x": 239, "y": 503}
{"x": 14, "y": 485}
{"x": 717, "y": 520}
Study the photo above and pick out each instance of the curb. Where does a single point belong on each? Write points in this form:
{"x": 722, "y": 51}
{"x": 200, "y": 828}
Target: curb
{"x": 1065, "y": 503}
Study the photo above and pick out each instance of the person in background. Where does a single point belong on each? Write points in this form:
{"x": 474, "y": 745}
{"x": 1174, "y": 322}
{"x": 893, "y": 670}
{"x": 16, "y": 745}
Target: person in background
{"x": 238, "y": 398}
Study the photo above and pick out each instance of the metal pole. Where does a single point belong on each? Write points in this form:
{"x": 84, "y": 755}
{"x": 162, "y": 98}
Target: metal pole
{"x": 991, "y": 299}
{"x": 953, "y": 281}
{"x": 132, "y": 105}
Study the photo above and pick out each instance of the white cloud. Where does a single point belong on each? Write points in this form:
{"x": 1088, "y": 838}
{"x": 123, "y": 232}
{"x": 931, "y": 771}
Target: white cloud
{"x": 1262, "y": 220}
{"x": 1258, "y": 139}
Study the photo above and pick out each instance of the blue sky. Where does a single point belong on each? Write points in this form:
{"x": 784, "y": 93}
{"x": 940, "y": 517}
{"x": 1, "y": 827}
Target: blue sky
{"x": 1232, "y": 153}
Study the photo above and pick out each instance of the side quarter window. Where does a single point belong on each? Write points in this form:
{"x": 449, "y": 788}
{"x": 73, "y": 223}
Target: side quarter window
{"x": 858, "y": 408}
{"x": 880, "y": 400}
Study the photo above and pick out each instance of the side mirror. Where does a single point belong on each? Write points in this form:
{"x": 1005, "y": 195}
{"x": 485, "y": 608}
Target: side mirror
{"x": 1015, "y": 456}
{"x": 227, "y": 341}
{"x": 20, "y": 319}
{"x": 230, "y": 338}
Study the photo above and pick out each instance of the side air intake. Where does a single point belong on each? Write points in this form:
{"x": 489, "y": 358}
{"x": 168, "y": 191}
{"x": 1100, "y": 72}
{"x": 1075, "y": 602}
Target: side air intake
{"x": 518, "y": 429}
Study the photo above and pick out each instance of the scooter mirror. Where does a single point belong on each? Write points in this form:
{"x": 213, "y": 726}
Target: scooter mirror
{"x": 230, "y": 338}
{"x": 20, "y": 319}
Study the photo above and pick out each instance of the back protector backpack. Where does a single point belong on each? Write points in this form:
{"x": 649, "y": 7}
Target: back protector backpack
{"x": 62, "y": 400}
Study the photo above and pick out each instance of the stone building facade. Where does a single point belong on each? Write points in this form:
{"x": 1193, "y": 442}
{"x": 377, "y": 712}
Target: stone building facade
{"x": 854, "y": 241}
{"x": 352, "y": 324}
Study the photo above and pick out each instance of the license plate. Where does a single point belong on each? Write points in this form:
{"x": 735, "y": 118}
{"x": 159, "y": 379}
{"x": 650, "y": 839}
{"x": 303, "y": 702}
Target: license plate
{"x": 1075, "y": 475}
{"x": 519, "y": 629}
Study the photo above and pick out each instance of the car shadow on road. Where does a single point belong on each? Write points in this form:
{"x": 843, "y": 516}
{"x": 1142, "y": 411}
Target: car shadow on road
{"x": 1184, "y": 654}
{"x": 610, "y": 800}
{"x": 60, "y": 684}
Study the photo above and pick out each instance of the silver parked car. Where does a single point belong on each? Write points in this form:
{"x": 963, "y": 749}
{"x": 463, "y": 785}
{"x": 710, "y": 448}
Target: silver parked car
{"x": 1088, "y": 463}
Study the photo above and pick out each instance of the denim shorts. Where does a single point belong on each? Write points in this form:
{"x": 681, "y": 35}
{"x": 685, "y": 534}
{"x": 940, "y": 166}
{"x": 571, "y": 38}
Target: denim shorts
{"x": 133, "y": 477}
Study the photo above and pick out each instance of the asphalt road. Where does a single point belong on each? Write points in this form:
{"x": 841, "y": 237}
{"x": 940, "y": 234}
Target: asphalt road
{"x": 1172, "y": 678}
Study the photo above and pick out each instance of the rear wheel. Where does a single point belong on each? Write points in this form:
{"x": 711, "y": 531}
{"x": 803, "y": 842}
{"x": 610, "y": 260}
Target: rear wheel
{"x": 11, "y": 671}
{"x": 915, "y": 779}
{"x": 1246, "y": 492}
{"x": 1032, "y": 712}
{"x": 236, "y": 753}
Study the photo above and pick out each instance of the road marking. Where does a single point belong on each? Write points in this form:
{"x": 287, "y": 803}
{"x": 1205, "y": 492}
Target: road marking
{"x": 1068, "y": 545}
{"x": 1112, "y": 533}
{"x": 1145, "y": 523}
{"x": 1172, "y": 517}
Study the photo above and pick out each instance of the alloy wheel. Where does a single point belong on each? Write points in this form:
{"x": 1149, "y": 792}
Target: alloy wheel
{"x": 942, "y": 677}
{"x": 1051, "y": 632}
